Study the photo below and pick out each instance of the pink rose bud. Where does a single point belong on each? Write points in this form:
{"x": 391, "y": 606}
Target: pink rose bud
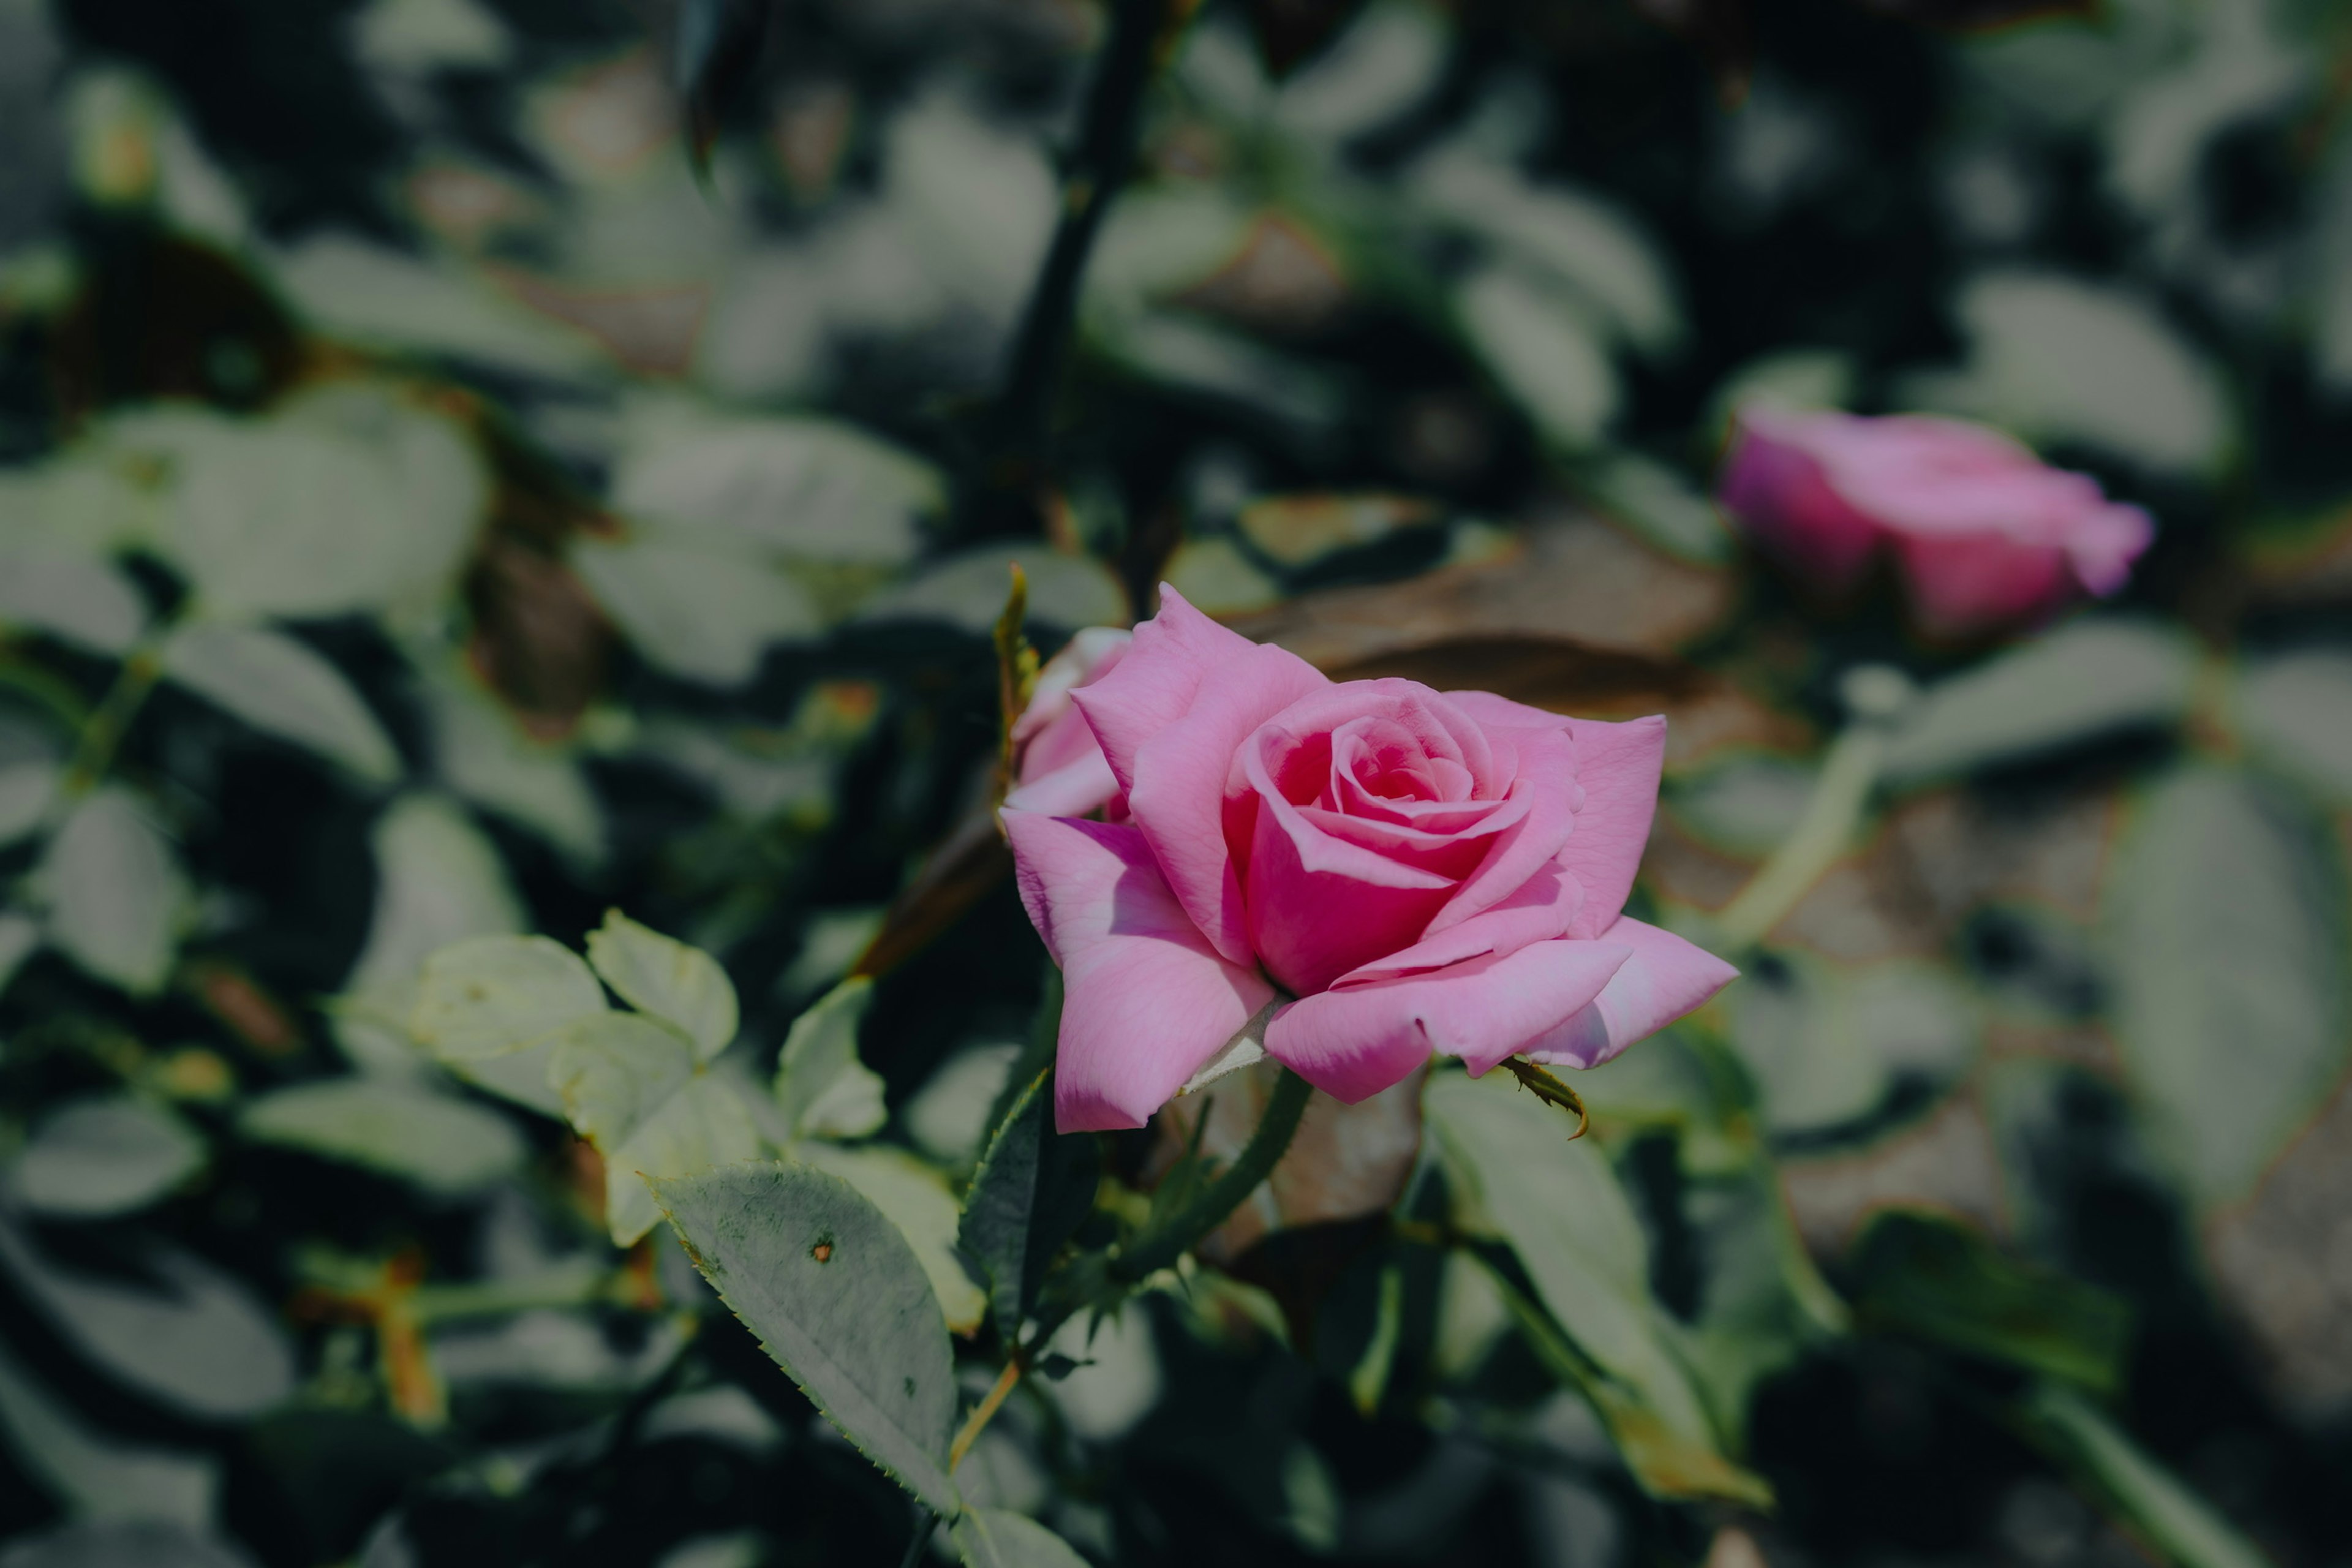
{"x": 1405, "y": 870}
{"x": 1986, "y": 533}
{"x": 1058, "y": 767}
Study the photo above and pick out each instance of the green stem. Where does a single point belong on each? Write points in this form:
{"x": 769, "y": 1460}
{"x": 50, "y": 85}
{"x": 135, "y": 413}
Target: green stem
{"x": 1835, "y": 811}
{"x": 102, "y": 732}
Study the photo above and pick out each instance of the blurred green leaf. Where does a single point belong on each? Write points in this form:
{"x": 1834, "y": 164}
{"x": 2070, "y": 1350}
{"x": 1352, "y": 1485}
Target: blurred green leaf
{"x": 1927, "y": 1275}
{"x": 118, "y": 899}
{"x": 836, "y": 1296}
{"x": 2158, "y": 1506}
{"x": 2080, "y": 683}
{"x": 1657, "y": 502}
{"x": 699, "y": 610}
{"x": 104, "y": 1155}
{"x": 444, "y": 1145}
{"x": 83, "y": 602}
{"x": 683, "y": 986}
{"x": 1515, "y": 1174}
{"x": 197, "y": 1339}
{"x": 280, "y": 686}
{"x": 821, "y": 1086}
{"x": 121, "y": 1544}
{"x": 1544, "y": 352}
{"x": 25, "y": 791}
{"x": 2224, "y": 924}
{"x": 2296, "y": 713}
{"x": 1031, "y": 1189}
{"x": 967, "y": 590}
{"x": 98, "y": 1479}
{"x": 993, "y": 1537}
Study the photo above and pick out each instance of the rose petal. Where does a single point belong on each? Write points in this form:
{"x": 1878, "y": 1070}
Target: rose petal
{"x": 1618, "y": 766}
{"x": 1543, "y": 908}
{"x": 1317, "y": 905}
{"x": 1356, "y": 1042}
{"x": 1075, "y": 789}
{"x": 1146, "y": 999}
{"x": 1170, "y": 717}
{"x": 1774, "y": 484}
{"x": 2102, "y": 546}
{"x": 1548, "y": 785}
{"x": 1665, "y": 978}
{"x": 1971, "y": 582}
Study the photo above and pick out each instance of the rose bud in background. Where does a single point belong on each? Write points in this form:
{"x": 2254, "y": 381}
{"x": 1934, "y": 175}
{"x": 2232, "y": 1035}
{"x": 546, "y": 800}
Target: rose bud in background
{"x": 1985, "y": 535}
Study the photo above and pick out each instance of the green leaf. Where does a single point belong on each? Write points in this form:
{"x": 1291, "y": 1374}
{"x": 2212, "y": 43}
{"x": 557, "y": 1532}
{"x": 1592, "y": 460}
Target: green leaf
{"x": 821, "y": 1086}
{"x": 99, "y": 1478}
{"x": 1518, "y": 1176}
{"x": 486, "y": 756}
{"x": 109, "y": 1156}
{"x": 82, "y": 602}
{"x": 836, "y": 1296}
{"x": 707, "y": 612}
{"x": 281, "y": 688}
{"x": 1544, "y": 351}
{"x": 2295, "y": 712}
{"x": 681, "y": 985}
{"x": 26, "y": 790}
{"x": 1031, "y": 1191}
{"x": 442, "y": 1145}
{"x": 122, "y": 1543}
{"x": 1926, "y": 1275}
{"x": 199, "y": 1341}
{"x": 2081, "y": 682}
{"x": 2149, "y": 1499}
{"x": 492, "y": 994}
{"x": 118, "y": 899}
{"x": 2224, "y": 929}
{"x": 920, "y": 1201}
{"x": 635, "y": 1091}
{"x": 1821, "y": 1041}
{"x": 993, "y": 1537}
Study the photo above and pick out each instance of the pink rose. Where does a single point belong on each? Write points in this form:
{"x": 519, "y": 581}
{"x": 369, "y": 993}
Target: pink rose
{"x": 1058, "y": 767}
{"x": 1403, "y": 870}
{"x": 1986, "y": 533}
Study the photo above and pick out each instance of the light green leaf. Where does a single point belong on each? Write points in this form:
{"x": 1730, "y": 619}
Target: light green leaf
{"x": 281, "y": 687}
{"x": 704, "y": 611}
{"x": 1544, "y": 352}
{"x": 26, "y": 790}
{"x": 83, "y": 602}
{"x": 920, "y": 1201}
{"x": 2223, "y": 923}
{"x": 810, "y": 486}
{"x": 1518, "y": 1176}
{"x": 118, "y": 899}
{"x": 490, "y": 995}
{"x": 967, "y": 590}
{"x": 121, "y": 1543}
{"x": 443, "y": 1144}
{"x": 993, "y": 1537}
{"x": 837, "y": 1297}
{"x": 104, "y": 1155}
{"x": 2057, "y": 358}
{"x": 18, "y": 937}
{"x": 681, "y": 985}
{"x": 201, "y": 1341}
{"x": 2296, "y": 714}
{"x": 486, "y": 757}
{"x": 1747, "y": 805}
{"x": 2079, "y": 683}
{"x": 823, "y": 1090}
{"x": 2153, "y": 1501}
{"x": 635, "y": 1091}
{"x": 347, "y": 498}
{"x": 1661, "y": 505}
{"x": 101, "y": 1479}
{"x": 1822, "y": 1041}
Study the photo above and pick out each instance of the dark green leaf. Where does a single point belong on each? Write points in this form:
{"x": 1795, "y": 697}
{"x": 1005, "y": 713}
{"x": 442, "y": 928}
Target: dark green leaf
{"x": 1031, "y": 1189}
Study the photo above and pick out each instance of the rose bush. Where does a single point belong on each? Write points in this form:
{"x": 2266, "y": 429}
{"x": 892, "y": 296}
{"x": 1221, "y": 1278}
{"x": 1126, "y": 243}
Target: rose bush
{"x": 1986, "y": 533}
{"x": 1392, "y": 870}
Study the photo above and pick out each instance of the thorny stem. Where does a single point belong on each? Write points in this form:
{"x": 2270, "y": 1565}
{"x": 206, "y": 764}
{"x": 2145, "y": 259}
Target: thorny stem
{"x": 1547, "y": 1088}
{"x": 982, "y": 1412}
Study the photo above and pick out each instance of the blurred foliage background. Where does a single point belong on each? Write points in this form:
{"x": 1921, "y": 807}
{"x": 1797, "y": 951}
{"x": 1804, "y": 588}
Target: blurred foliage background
{"x": 466, "y": 465}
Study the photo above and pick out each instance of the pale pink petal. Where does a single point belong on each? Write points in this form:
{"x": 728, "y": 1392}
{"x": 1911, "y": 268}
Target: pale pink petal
{"x": 1078, "y": 788}
{"x": 1774, "y": 484}
{"x": 1356, "y": 1042}
{"x": 1171, "y": 717}
{"x": 1083, "y": 660}
{"x": 1492, "y": 712}
{"x": 1544, "y": 908}
{"x": 2102, "y": 546}
{"x": 1618, "y": 766}
{"x": 1665, "y": 978}
{"x": 1146, "y": 1000}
